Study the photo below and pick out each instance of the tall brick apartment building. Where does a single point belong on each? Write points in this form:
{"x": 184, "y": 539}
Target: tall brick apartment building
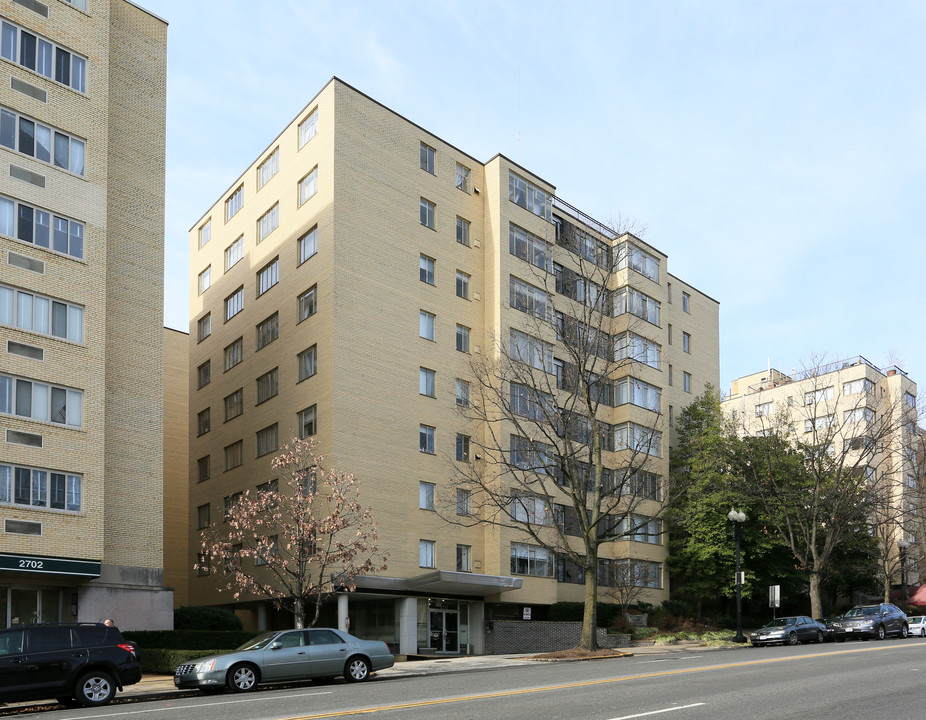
{"x": 82, "y": 136}
{"x": 339, "y": 288}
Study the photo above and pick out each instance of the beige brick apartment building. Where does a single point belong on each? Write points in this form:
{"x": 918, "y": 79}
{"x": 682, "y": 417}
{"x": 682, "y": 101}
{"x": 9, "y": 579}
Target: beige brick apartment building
{"x": 82, "y": 128}
{"x": 339, "y": 288}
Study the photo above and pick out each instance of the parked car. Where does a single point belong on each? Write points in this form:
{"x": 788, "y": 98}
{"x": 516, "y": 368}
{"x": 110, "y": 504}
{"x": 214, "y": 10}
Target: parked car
{"x": 77, "y": 664}
{"x": 917, "y": 625}
{"x": 829, "y": 624}
{"x": 790, "y": 631}
{"x": 871, "y": 621}
{"x": 313, "y": 653}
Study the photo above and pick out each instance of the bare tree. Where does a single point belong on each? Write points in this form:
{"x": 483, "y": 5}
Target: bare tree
{"x": 830, "y": 467}
{"x": 568, "y": 450}
{"x": 627, "y": 582}
{"x": 298, "y": 543}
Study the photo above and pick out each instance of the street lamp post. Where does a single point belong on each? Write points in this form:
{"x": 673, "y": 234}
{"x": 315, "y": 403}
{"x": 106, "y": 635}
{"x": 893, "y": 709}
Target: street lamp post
{"x": 902, "y": 546}
{"x": 737, "y": 518}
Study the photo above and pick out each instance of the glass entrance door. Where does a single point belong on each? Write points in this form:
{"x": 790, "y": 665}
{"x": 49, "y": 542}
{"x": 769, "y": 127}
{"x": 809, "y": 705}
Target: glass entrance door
{"x": 444, "y": 626}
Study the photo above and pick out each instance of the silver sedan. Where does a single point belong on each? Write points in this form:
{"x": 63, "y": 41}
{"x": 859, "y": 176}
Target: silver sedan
{"x": 286, "y": 655}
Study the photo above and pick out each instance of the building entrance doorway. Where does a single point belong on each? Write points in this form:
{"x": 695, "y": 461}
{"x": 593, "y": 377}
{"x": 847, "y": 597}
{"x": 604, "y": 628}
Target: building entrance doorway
{"x": 444, "y": 625}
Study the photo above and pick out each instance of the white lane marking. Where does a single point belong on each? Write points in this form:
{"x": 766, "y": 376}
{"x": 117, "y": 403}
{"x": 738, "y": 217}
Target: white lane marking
{"x": 657, "y": 712}
{"x": 175, "y": 708}
{"x": 647, "y": 662}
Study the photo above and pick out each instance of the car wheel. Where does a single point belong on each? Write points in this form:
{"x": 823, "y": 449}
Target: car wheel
{"x": 922, "y": 632}
{"x": 67, "y": 701}
{"x": 94, "y": 689}
{"x": 792, "y": 639}
{"x": 819, "y": 636}
{"x": 357, "y": 669}
{"x": 242, "y": 677}
{"x": 904, "y": 631}
{"x": 881, "y": 634}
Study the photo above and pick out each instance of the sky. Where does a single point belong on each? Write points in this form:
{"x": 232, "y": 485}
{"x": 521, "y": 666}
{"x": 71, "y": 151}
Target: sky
{"x": 775, "y": 151}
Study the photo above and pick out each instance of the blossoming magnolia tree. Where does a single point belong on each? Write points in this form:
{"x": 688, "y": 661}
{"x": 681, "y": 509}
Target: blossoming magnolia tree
{"x": 295, "y": 541}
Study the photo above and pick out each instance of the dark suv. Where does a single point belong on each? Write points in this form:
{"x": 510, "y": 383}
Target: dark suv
{"x": 871, "y": 621}
{"x": 79, "y": 664}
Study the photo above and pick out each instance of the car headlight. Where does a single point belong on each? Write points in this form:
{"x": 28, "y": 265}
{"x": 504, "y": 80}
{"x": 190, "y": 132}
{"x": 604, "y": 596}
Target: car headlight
{"x": 206, "y": 665}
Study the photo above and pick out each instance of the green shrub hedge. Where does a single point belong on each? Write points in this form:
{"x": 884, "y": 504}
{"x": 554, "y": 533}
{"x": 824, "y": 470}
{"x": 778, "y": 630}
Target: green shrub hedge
{"x": 205, "y": 618}
{"x": 161, "y": 661}
{"x": 197, "y": 640}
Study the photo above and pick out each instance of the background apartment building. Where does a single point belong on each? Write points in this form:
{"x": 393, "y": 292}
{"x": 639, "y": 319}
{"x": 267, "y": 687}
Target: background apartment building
{"x": 82, "y": 126}
{"x": 865, "y": 414}
{"x": 340, "y": 289}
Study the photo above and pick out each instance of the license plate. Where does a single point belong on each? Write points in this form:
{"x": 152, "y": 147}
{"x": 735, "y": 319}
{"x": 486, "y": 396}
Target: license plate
{"x": 848, "y": 629}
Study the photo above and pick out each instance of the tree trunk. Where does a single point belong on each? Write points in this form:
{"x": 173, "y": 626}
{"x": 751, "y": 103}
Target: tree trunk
{"x": 816, "y": 608}
{"x": 589, "y": 639}
{"x": 298, "y": 612}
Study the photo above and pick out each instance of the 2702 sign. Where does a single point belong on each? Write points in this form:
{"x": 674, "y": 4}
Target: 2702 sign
{"x": 49, "y": 565}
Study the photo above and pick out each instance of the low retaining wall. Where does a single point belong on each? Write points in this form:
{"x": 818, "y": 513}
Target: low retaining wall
{"x": 506, "y": 637}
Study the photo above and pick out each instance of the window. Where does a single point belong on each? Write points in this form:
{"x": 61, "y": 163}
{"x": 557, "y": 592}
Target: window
{"x": 233, "y": 253}
{"x": 268, "y": 331}
{"x": 40, "y": 488}
{"x": 686, "y": 342}
{"x": 633, "y": 301}
{"x": 645, "y": 529}
{"x": 202, "y": 517}
{"x": 859, "y": 415}
{"x": 233, "y": 455}
{"x": 42, "y": 56}
{"x": 819, "y": 423}
{"x": 308, "y": 127}
{"x": 669, "y": 332}
{"x": 426, "y": 439}
{"x": 462, "y": 393}
{"x": 202, "y": 422}
{"x": 462, "y": 231}
{"x": 41, "y": 228}
{"x": 268, "y": 276}
{"x": 463, "y": 501}
{"x": 203, "y": 373}
{"x": 234, "y": 404}
{"x": 462, "y": 448}
{"x": 308, "y": 363}
{"x": 531, "y": 560}
{"x": 426, "y": 553}
{"x": 530, "y": 402}
{"x": 463, "y": 178}
{"x": 229, "y": 501}
{"x": 462, "y": 285}
{"x": 204, "y": 327}
{"x": 81, "y": 4}
{"x": 529, "y": 509}
{"x": 686, "y": 302}
{"x": 205, "y": 280}
{"x": 268, "y": 168}
{"x": 816, "y": 396}
{"x": 637, "y": 259}
{"x": 35, "y": 140}
{"x": 40, "y": 314}
{"x": 669, "y": 292}
{"x": 234, "y": 354}
{"x": 40, "y": 401}
{"x": 307, "y": 304}
{"x": 234, "y": 303}
{"x": 530, "y": 197}
{"x": 203, "y": 468}
{"x": 426, "y": 269}
{"x": 426, "y": 495}
{"x": 267, "y": 386}
{"x": 636, "y": 392}
{"x": 308, "y": 245}
{"x": 636, "y": 347}
{"x": 527, "y": 247}
{"x": 686, "y": 382}
{"x": 530, "y": 350}
{"x": 670, "y": 375}
{"x": 268, "y": 222}
{"x": 528, "y": 299}
{"x": 910, "y": 400}
{"x": 426, "y": 325}
{"x": 234, "y": 203}
{"x": 308, "y": 186}
{"x": 764, "y": 409}
{"x": 427, "y": 213}
{"x": 630, "y": 436}
{"x": 266, "y": 550}
{"x": 462, "y": 338}
{"x": 307, "y": 422}
{"x": 267, "y": 440}
{"x": 205, "y": 233}
{"x": 857, "y": 386}
{"x": 427, "y": 158}
{"x": 463, "y": 553}
{"x": 426, "y": 382}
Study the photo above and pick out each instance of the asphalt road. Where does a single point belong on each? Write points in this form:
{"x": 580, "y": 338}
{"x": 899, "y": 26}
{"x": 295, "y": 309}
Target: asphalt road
{"x": 849, "y": 680}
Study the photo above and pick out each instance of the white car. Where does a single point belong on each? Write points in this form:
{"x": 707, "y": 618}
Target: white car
{"x": 917, "y": 625}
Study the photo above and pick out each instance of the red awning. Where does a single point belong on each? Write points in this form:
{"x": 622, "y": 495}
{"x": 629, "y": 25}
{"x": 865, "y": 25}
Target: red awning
{"x": 918, "y": 597}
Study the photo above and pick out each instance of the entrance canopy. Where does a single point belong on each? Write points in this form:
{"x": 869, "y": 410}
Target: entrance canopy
{"x": 443, "y": 582}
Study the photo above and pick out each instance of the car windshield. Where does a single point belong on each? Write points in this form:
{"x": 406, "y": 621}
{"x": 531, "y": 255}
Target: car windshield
{"x": 256, "y": 643}
{"x": 916, "y": 619}
{"x": 863, "y": 611}
{"x": 780, "y": 622}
